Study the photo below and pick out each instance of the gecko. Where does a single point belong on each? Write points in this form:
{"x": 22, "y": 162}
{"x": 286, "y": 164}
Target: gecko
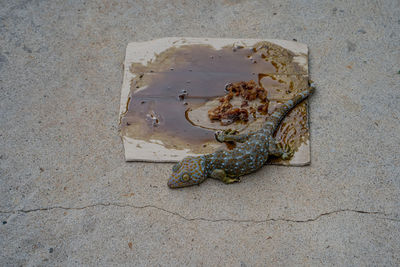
{"x": 250, "y": 154}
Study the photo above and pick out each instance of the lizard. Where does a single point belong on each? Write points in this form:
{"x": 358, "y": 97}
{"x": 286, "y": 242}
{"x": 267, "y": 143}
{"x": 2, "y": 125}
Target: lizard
{"x": 250, "y": 154}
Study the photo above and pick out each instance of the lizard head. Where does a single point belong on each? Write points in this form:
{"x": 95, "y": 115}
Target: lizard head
{"x": 189, "y": 171}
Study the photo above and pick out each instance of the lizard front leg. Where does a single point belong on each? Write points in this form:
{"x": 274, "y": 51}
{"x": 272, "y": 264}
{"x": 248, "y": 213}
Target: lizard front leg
{"x": 229, "y": 135}
{"x": 276, "y": 149}
{"x": 220, "y": 174}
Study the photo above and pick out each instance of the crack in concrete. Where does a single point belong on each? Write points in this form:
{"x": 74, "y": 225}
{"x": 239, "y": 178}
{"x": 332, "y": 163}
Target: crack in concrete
{"x": 206, "y": 219}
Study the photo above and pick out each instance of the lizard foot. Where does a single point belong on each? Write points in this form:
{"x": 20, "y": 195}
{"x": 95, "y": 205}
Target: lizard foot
{"x": 220, "y": 174}
{"x": 287, "y": 152}
{"x": 231, "y": 136}
{"x": 223, "y": 136}
{"x": 279, "y": 149}
{"x": 231, "y": 180}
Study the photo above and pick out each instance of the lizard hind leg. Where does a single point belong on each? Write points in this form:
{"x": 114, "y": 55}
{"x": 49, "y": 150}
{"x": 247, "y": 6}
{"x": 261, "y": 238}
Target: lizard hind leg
{"x": 278, "y": 149}
{"x": 220, "y": 174}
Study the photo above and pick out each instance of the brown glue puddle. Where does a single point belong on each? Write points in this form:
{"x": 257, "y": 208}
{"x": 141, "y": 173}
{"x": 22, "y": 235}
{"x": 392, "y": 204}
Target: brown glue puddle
{"x": 185, "y": 78}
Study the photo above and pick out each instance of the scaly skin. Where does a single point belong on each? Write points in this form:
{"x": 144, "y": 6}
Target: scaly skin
{"x": 250, "y": 154}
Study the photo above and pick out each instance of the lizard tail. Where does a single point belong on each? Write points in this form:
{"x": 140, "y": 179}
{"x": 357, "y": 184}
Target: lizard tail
{"x": 277, "y": 116}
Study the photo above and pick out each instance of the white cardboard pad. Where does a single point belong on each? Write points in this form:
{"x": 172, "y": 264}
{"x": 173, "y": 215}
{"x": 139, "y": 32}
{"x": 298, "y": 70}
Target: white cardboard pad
{"x": 154, "y": 150}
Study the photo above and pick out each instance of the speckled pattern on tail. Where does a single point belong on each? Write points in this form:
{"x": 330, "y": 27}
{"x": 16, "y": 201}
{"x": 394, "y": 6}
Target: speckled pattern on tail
{"x": 277, "y": 116}
{"x": 250, "y": 154}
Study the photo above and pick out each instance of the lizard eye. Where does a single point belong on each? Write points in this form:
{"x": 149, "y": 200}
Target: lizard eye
{"x": 175, "y": 168}
{"x": 185, "y": 177}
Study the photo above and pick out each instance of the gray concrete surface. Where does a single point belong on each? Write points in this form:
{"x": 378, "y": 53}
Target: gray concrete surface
{"x": 68, "y": 198}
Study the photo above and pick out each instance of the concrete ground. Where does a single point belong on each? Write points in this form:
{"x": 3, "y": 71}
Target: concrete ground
{"x": 68, "y": 198}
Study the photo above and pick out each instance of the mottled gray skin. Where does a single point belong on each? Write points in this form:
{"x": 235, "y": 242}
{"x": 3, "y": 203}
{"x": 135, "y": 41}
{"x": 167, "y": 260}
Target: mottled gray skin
{"x": 247, "y": 157}
{"x": 250, "y": 154}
